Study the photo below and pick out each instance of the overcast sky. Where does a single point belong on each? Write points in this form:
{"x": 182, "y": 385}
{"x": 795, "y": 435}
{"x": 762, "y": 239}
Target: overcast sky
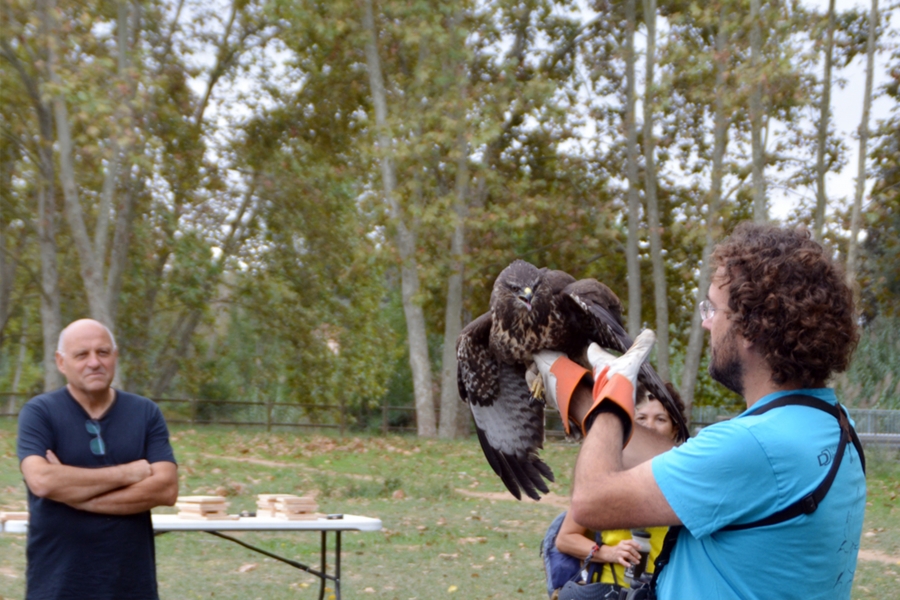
{"x": 847, "y": 105}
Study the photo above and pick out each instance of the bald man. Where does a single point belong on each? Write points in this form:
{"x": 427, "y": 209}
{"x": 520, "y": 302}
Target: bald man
{"x": 95, "y": 461}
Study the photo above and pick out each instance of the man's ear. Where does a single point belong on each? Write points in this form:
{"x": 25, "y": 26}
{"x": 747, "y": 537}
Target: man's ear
{"x": 59, "y": 362}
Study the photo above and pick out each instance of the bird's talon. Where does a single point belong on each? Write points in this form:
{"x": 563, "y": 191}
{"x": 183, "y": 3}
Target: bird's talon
{"x": 537, "y": 388}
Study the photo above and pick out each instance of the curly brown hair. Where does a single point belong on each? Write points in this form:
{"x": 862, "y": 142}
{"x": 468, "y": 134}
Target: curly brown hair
{"x": 791, "y": 299}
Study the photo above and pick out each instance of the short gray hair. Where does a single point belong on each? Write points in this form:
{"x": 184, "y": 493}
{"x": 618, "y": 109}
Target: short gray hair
{"x": 62, "y": 334}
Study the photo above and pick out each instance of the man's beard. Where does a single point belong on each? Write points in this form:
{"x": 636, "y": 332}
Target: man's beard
{"x": 725, "y": 366}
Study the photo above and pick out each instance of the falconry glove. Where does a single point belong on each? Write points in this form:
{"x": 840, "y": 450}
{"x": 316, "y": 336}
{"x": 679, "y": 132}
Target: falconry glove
{"x": 615, "y": 381}
{"x": 561, "y": 376}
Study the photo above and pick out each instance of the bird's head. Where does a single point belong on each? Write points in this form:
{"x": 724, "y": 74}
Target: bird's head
{"x": 518, "y": 286}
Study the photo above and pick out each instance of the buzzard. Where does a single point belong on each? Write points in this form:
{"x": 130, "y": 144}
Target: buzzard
{"x": 532, "y": 310}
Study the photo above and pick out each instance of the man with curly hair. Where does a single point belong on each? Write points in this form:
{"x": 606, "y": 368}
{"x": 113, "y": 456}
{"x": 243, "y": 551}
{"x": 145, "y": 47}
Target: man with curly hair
{"x": 781, "y": 322}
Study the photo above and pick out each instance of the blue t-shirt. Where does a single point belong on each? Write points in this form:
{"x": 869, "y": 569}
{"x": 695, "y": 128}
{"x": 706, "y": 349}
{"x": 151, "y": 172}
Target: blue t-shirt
{"x": 77, "y": 554}
{"x": 745, "y": 469}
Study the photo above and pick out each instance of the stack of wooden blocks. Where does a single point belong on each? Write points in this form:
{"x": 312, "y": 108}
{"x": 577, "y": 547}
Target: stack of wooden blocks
{"x": 202, "y": 507}
{"x": 13, "y": 516}
{"x": 286, "y": 506}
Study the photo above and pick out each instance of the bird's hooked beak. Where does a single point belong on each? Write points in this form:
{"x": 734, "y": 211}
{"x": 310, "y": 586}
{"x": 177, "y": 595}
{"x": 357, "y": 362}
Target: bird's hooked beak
{"x": 526, "y": 296}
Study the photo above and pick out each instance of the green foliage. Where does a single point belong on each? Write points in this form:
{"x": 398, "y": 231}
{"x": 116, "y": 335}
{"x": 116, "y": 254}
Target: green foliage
{"x": 871, "y": 381}
{"x": 881, "y": 248}
{"x": 261, "y": 257}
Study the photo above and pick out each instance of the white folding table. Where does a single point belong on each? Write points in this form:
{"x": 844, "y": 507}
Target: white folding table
{"x": 166, "y": 523}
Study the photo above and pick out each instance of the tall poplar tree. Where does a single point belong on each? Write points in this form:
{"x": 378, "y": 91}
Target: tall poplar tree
{"x": 861, "y": 172}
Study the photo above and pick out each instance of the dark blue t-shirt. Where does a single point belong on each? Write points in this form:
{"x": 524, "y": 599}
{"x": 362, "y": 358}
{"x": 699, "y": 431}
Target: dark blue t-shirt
{"x": 74, "y": 554}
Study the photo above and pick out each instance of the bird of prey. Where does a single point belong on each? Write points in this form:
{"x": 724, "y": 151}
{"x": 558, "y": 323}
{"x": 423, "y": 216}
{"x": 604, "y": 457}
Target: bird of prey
{"x": 532, "y": 310}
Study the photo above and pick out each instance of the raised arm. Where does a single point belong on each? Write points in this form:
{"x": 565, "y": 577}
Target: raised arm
{"x": 614, "y": 486}
{"x": 159, "y": 489}
{"x": 608, "y": 495}
{"x": 46, "y": 477}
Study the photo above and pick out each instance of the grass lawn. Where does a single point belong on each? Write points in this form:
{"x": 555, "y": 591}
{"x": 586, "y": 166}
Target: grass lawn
{"x": 450, "y": 529}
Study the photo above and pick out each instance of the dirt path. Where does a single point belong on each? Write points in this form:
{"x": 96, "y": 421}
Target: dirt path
{"x": 550, "y": 499}
{"x": 877, "y": 555}
{"x": 287, "y": 465}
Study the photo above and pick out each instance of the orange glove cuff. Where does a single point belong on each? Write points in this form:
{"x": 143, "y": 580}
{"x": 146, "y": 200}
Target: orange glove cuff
{"x": 620, "y": 391}
{"x": 568, "y": 375}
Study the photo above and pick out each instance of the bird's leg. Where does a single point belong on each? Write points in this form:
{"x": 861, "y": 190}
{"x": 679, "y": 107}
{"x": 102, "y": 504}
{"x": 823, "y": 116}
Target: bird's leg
{"x": 535, "y": 383}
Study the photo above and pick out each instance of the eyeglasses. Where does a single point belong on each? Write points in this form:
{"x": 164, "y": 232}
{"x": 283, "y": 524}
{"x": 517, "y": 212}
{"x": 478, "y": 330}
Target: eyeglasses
{"x": 98, "y": 447}
{"x": 707, "y": 310}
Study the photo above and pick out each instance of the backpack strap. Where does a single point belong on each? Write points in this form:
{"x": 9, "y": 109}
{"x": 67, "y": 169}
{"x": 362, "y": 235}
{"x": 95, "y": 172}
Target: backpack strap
{"x": 809, "y": 503}
{"x": 662, "y": 559}
{"x": 806, "y": 505}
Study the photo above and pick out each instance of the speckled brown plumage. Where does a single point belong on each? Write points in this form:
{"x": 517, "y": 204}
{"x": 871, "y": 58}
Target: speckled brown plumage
{"x": 532, "y": 310}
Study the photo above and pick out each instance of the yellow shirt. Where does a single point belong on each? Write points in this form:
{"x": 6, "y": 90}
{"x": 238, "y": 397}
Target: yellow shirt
{"x": 613, "y": 537}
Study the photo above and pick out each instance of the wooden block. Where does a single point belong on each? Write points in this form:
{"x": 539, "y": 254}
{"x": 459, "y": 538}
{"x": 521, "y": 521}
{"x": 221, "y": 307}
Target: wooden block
{"x": 295, "y": 504}
{"x": 200, "y": 499}
{"x": 13, "y": 516}
{"x": 201, "y": 509}
{"x": 274, "y": 497}
{"x": 295, "y": 508}
{"x": 296, "y": 501}
{"x": 299, "y": 516}
{"x": 207, "y": 516}
{"x": 220, "y": 502}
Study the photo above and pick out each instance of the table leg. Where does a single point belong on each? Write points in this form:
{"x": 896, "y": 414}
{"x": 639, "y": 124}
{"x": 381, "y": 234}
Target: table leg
{"x": 323, "y": 565}
{"x": 337, "y": 564}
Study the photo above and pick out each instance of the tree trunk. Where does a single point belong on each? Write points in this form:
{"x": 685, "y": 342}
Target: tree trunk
{"x": 91, "y": 269}
{"x": 110, "y": 180}
{"x": 92, "y": 255}
{"x": 51, "y": 315}
{"x": 121, "y": 239}
{"x": 6, "y": 282}
{"x": 415, "y": 316}
{"x": 824, "y": 111}
{"x": 452, "y": 423}
{"x": 720, "y": 134}
{"x": 760, "y": 210}
{"x": 166, "y": 367}
{"x": 188, "y": 321}
{"x": 863, "y": 143}
{"x": 631, "y": 250}
{"x": 8, "y": 259}
{"x": 9, "y": 268}
{"x": 45, "y": 220}
{"x": 660, "y": 293}
{"x": 14, "y": 402}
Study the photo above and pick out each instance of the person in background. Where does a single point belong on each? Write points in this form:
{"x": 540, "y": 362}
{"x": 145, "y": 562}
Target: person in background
{"x": 95, "y": 461}
{"x": 612, "y": 551}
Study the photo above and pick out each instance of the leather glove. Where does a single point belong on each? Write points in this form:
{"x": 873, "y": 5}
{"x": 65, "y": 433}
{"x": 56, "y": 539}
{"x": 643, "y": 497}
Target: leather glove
{"x": 615, "y": 381}
{"x": 560, "y": 378}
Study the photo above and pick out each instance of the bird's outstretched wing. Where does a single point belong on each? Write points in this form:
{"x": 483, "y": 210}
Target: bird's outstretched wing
{"x": 509, "y": 422}
{"x": 599, "y": 314}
